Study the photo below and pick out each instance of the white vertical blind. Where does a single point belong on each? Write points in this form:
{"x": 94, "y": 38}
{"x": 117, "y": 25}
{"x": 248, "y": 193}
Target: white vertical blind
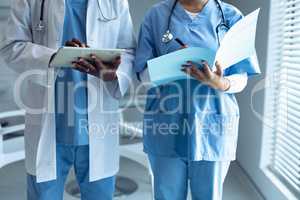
{"x": 283, "y": 98}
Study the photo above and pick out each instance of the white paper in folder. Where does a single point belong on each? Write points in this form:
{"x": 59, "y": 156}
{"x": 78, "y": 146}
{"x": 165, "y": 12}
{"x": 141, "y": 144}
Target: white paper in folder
{"x": 239, "y": 41}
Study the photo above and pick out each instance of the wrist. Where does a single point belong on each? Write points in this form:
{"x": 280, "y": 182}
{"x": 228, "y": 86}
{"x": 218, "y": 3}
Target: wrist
{"x": 109, "y": 76}
{"x": 220, "y": 83}
{"x": 225, "y": 84}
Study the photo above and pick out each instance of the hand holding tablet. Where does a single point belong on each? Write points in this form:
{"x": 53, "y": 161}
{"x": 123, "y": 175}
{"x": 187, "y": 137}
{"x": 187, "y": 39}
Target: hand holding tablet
{"x": 93, "y": 65}
{"x": 101, "y": 63}
{"x": 67, "y": 55}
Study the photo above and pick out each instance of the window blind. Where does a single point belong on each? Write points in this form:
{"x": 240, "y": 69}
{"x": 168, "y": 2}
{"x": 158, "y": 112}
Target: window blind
{"x": 283, "y": 97}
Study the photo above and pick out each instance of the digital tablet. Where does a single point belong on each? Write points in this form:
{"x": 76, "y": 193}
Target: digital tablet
{"x": 66, "y": 55}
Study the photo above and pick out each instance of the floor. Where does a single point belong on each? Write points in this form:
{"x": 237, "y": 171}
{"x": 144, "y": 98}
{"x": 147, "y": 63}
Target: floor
{"x": 237, "y": 187}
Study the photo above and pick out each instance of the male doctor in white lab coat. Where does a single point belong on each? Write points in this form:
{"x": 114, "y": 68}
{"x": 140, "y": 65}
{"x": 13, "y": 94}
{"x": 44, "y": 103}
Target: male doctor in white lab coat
{"x": 55, "y": 141}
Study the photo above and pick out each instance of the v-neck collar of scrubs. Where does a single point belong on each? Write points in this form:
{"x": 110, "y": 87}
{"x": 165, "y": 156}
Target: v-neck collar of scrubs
{"x": 180, "y": 12}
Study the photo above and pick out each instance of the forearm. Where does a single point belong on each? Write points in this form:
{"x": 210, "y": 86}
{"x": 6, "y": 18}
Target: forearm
{"x": 219, "y": 83}
{"x": 24, "y": 56}
{"x": 124, "y": 75}
{"x": 229, "y": 84}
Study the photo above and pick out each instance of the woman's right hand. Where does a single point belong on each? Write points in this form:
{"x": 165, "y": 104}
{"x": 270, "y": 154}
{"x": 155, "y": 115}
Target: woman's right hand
{"x": 214, "y": 79}
{"x": 98, "y": 68}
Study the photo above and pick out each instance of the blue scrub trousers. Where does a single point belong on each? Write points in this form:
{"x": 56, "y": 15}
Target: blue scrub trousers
{"x": 68, "y": 156}
{"x": 173, "y": 175}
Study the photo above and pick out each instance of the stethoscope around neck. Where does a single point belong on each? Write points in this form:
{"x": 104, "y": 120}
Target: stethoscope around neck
{"x": 41, "y": 25}
{"x": 168, "y": 36}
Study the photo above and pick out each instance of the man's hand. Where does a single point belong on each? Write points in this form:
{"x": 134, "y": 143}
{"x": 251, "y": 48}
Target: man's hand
{"x": 96, "y": 67}
{"x": 207, "y": 76}
{"x": 75, "y": 43}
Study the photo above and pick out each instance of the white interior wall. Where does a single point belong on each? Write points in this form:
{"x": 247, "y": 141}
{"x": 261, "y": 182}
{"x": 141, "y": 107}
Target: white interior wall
{"x": 251, "y": 128}
{"x": 138, "y": 9}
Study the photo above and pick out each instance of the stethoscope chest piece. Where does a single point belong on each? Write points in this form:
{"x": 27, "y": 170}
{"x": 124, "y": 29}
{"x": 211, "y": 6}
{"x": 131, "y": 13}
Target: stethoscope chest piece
{"x": 40, "y": 27}
{"x": 167, "y": 37}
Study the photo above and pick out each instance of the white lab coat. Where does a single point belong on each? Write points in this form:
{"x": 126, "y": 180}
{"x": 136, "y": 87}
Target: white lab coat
{"x": 25, "y": 48}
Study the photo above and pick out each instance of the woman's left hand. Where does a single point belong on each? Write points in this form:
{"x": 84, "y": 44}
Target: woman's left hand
{"x": 207, "y": 76}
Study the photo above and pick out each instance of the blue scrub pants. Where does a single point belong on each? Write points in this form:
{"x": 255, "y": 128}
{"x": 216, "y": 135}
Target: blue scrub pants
{"x": 68, "y": 156}
{"x": 172, "y": 175}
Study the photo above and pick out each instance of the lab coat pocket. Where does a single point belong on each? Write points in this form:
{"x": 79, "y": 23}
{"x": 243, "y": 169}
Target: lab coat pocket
{"x": 38, "y": 30}
{"x": 37, "y": 36}
{"x": 33, "y": 102}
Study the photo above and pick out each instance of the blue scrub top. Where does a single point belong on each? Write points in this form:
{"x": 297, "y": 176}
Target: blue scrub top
{"x": 71, "y": 95}
{"x": 186, "y": 118}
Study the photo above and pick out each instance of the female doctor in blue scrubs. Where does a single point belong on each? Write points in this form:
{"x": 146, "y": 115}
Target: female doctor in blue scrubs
{"x": 191, "y": 126}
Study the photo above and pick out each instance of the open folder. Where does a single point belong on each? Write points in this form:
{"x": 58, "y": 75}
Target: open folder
{"x": 238, "y": 44}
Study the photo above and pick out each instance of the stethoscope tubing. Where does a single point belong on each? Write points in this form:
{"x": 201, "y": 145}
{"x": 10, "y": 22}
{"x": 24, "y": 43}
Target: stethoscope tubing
{"x": 40, "y": 26}
{"x": 223, "y": 22}
{"x": 42, "y": 10}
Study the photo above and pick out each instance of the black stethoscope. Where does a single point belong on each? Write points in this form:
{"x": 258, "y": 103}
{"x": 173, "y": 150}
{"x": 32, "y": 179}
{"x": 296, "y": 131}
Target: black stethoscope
{"x": 41, "y": 26}
{"x": 168, "y": 36}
